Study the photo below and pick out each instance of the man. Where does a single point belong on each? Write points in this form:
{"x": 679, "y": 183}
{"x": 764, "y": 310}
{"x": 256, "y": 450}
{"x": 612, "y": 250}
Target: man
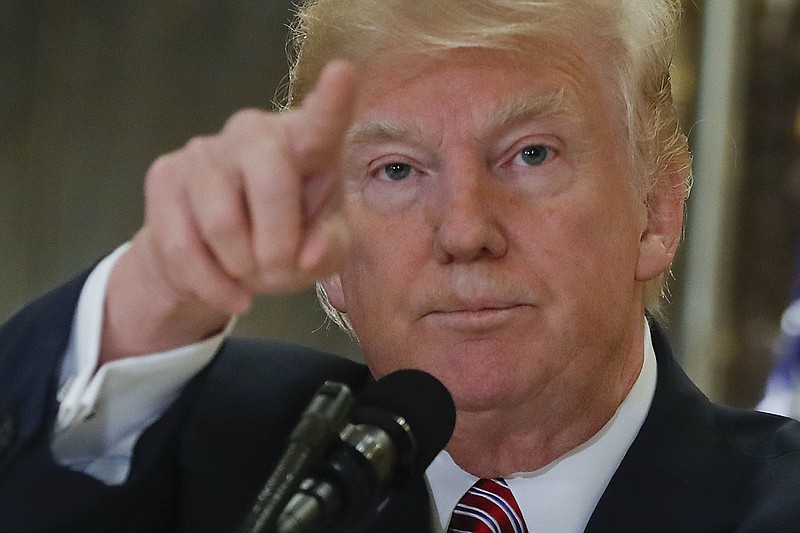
{"x": 488, "y": 191}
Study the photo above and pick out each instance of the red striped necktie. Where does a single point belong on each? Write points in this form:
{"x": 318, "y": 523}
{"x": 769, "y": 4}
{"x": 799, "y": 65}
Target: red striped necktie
{"x": 487, "y": 507}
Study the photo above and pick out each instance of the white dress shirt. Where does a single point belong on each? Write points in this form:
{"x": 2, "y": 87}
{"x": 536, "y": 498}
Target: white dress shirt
{"x": 101, "y": 416}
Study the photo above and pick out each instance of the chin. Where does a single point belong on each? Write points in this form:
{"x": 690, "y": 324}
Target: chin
{"x": 474, "y": 378}
{"x": 480, "y": 393}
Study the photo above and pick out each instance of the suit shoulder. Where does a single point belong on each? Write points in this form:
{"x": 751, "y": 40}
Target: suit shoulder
{"x": 36, "y": 335}
{"x": 268, "y": 379}
{"x": 761, "y": 436}
{"x": 276, "y": 365}
{"x": 769, "y": 448}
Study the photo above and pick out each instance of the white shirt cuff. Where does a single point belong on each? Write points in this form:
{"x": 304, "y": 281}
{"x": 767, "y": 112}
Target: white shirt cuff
{"x": 101, "y": 415}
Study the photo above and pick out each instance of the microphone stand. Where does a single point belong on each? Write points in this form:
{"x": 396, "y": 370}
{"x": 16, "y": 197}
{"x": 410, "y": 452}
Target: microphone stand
{"x": 351, "y": 486}
{"x": 320, "y": 425}
{"x": 340, "y": 472}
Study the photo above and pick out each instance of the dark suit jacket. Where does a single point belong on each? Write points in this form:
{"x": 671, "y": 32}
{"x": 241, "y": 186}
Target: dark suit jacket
{"x": 694, "y": 467}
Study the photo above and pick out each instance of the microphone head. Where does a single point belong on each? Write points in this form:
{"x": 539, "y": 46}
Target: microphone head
{"x": 423, "y": 402}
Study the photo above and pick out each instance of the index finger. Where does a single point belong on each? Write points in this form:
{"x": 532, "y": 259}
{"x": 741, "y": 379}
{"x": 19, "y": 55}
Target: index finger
{"x": 318, "y": 127}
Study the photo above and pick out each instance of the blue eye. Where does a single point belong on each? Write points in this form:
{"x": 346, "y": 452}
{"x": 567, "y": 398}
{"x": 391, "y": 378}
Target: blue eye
{"x": 397, "y": 171}
{"x": 535, "y": 154}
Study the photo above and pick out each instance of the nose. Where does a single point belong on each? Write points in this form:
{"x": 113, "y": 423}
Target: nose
{"x": 468, "y": 222}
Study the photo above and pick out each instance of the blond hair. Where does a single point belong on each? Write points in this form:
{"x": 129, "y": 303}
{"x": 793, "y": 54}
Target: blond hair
{"x": 637, "y": 34}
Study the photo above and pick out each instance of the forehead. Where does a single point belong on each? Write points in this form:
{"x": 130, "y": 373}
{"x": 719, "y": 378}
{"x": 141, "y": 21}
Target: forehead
{"x": 478, "y": 86}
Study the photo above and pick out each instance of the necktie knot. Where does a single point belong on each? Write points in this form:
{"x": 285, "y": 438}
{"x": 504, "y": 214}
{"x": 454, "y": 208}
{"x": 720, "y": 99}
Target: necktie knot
{"x": 487, "y": 507}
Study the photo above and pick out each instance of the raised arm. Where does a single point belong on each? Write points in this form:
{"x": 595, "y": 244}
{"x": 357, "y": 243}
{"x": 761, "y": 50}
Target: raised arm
{"x": 253, "y": 209}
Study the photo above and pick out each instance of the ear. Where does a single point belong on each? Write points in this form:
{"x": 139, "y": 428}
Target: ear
{"x": 664, "y": 227}
{"x": 334, "y": 292}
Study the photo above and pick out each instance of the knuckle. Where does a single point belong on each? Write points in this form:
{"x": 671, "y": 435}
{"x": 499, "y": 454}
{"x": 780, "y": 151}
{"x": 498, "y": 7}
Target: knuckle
{"x": 175, "y": 253}
{"x": 170, "y": 169}
{"x": 246, "y": 119}
{"x": 199, "y": 147}
{"x": 161, "y": 173}
{"x": 223, "y": 219}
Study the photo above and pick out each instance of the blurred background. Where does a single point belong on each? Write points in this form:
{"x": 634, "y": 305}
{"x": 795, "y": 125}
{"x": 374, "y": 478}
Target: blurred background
{"x": 91, "y": 91}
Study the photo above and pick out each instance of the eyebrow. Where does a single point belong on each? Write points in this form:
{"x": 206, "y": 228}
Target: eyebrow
{"x": 507, "y": 114}
{"x": 517, "y": 110}
{"x": 377, "y": 132}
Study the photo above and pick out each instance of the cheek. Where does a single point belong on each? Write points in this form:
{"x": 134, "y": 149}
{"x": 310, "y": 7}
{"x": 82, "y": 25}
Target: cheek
{"x": 588, "y": 243}
{"x": 386, "y": 254}
{"x": 385, "y": 239}
{"x": 388, "y": 271}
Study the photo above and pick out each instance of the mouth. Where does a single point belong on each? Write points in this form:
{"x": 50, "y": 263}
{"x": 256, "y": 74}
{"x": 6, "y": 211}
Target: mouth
{"x": 477, "y": 317}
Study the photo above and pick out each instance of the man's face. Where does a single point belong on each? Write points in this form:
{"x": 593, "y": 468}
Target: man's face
{"x": 496, "y": 236}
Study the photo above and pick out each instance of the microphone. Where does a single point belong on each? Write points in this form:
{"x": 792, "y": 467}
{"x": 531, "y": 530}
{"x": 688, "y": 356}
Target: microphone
{"x": 319, "y": 426}
{"x": 398, "y": 425}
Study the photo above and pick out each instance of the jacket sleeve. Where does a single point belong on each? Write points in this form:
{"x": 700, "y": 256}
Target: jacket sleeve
{"x": 37, "y": 495}
{"x": 32, "y": 345}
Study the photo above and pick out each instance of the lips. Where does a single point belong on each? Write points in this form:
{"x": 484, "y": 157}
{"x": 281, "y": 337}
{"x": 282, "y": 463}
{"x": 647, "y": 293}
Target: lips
{"x": 476, "y": 315}
{"x": 467, "y": 300}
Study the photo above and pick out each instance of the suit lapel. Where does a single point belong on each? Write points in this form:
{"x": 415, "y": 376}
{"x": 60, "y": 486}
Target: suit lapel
{"x": 678, "y": 474}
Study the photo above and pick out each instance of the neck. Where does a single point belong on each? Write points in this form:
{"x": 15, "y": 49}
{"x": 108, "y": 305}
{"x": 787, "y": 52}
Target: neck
{"x": 561, "y": 416}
